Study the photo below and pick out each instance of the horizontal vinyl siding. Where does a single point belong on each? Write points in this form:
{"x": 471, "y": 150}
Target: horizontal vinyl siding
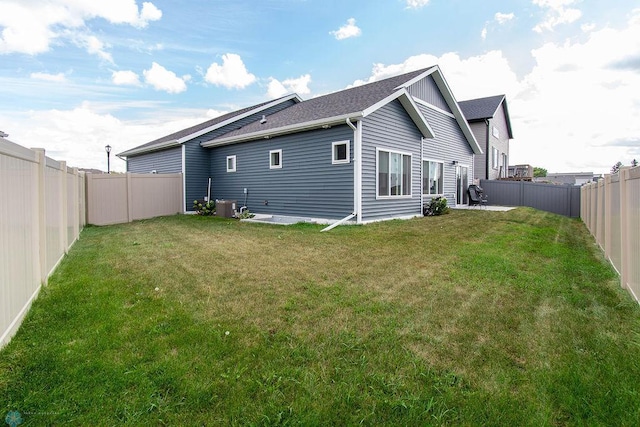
{"x": 165, "y": 161}
{"x": 198, "y": 161}
{"x": 479, "y": 130}
{"x": 448, "y": 145}
{"x": 308, "y": 184}
{"x": 502, "y": 143}
{"x": 389, "y": 128}
{"x": 427, "y": 90}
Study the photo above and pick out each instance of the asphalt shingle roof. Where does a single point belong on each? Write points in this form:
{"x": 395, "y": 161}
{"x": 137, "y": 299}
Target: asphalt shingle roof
{"x": 481, "y": 108}
{"x": 340, "y": 103}
{"x": 196, "y": 128}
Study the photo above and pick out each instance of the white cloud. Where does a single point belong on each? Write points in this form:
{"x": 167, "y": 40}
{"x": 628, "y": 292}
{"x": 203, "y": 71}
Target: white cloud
{"x": 575, "y": 110}
{"x": 58, "y": 78}
{"x": 503, "y": 18}
{"x": 483, "y": 33}
{"x": 92, "y": 44}
{"x": 162, "y": 79}
{"x": 557, "y": 12}
{"x": 416, "y": 4}
{"x": 300, "y": 86}
{"x": 348, "y": 30}
{"x": 31, "y": 27}
{"x": 125, "y": 78}
{"x": 58, "y": 132}
{"x": 231, "y": 74}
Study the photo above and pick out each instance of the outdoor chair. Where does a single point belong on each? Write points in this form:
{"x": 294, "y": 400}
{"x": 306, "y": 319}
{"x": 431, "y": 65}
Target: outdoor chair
{"x": 476, "y": 196}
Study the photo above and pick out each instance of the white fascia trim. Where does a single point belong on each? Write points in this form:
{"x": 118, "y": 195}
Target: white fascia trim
{"x": 238, "y": 117}
{"x": 453, "y": 105}
{"x": 434, "y": 108}
{"x": 269, "y": 133}
{"x": 409, "y": 105}
{"x": 160, "y": 146}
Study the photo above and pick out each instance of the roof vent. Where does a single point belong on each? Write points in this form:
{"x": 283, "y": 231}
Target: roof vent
{"x": 263, "y": 120}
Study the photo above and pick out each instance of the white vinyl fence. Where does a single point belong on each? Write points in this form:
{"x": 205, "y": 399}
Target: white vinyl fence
{"x": 41, "y": 214}
{"x": 610, "y": 208}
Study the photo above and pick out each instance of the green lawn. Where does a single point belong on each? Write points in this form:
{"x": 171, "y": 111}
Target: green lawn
{"x": 498, "y": 318}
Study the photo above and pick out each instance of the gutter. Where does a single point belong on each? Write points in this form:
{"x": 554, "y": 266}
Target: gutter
{"x": 337, "y": 223}
{"x": 160, "y": 146}
{"x": 269, "y": 133}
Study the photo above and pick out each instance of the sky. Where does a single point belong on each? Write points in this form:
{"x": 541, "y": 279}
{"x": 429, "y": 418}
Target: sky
{"x": 76, "y": 75}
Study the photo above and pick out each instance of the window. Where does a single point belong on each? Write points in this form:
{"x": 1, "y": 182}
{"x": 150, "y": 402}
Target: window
{"x": 495, "y": 132}
{"x": 432, "y": 177}
{"x": 340, "y": 152}
{"x": 505, "y": 165}
{"x": 494, "y": 157}
{"x": 231, "y": 163}
{"x": 394, "y": 174}
{"x": 275, "y": 159}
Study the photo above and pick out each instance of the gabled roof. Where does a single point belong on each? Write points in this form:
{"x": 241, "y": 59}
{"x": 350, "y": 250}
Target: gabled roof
{"x": 180, "y": 137}
{"x": 337, "y": 107}
{"x": 486, "y": 108}
{"x": 349, "y": 104}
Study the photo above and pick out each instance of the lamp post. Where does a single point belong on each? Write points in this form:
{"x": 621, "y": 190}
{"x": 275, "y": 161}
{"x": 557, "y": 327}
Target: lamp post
{"x": 108, "y": 150}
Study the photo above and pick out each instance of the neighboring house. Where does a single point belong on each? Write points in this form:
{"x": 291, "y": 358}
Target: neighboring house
{"x": 490, "y": 123}
{"x": 376, "y": 151}
{"x": 521, "y": 171}
{"x": 571, "y": 178}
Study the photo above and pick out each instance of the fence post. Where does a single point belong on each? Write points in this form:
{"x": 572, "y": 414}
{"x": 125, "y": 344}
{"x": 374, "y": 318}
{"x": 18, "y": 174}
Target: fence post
{"x": 129, "y": 198}
{"x": 64, "y": 217}
{"x": 625, "y": 246}
{"x": 607, "y": 215}
{"x": 42, "y": 213}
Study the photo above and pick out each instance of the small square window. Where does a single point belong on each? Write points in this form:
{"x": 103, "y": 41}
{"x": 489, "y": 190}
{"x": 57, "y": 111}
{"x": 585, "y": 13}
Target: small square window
{"x": 275, "y": 159}
{"x": 231, "y": 163}
{"x": 340, "y": 152}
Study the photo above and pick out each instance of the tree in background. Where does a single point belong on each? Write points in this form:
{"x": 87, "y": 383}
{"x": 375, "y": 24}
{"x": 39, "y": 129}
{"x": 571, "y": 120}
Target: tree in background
{"x": 539, "y": 172}
{"x": 616, "y": 168}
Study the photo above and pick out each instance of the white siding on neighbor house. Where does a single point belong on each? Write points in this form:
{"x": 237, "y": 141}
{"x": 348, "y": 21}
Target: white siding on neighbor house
{"x": 389, "y": 128}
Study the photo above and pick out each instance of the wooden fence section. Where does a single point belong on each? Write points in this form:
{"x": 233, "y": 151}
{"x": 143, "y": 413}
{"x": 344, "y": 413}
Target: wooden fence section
{"x": 559, "y": 199}
{"x": 41, "y": 215}
{"x": 610, "y": 209}
{"x": 118, "y": 198}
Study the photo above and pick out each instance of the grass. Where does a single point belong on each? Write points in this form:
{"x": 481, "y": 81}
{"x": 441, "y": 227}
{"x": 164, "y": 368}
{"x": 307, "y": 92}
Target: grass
{"x": 471, "y": 318}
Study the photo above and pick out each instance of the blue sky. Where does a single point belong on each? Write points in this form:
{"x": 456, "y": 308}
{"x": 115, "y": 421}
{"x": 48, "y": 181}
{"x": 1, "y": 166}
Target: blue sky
{"x": 76, "y": 75}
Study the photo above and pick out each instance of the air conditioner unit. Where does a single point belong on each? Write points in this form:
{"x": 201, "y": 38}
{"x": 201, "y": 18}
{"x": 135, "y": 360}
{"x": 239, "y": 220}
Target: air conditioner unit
{"x": 226, "y": 208}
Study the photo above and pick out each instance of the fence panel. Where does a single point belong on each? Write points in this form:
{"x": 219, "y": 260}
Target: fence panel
{"x": 611, "y": 212}
{"x": 118, "y": 198}
{"x": 34, "y": 228}
{"x": 559, "y": 199}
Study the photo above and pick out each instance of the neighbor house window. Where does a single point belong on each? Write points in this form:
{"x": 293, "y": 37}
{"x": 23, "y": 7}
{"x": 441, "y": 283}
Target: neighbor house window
{"x": 275, "y": 159}
{"x": 495, "y": 132}
{"x": 394, "y": 174}
{"x": 432, "y": 177}
{"x": 231, "y": 163}
{"x": 494, "y": 157}
{"x": 340, "y": 152}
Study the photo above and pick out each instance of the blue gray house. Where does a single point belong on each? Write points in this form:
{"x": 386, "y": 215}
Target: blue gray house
{"x": 376, "y": 151}
{"x": 489, "y": 120}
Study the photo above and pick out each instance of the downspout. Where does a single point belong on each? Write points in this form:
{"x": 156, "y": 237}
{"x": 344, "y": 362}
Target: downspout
{"x": 357, "y": 135}
{"x": 488, "y": 154}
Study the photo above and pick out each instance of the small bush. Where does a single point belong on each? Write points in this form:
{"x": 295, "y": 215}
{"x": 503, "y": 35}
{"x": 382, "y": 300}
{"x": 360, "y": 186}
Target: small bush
{"x": 204, "y": 208}
{"x": 436, "y": 206}
{"x": 245, "y": 214}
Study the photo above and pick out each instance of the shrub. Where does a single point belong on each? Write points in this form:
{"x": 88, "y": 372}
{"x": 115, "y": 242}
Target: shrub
{"x": 245, "y": 214}
{"x": 436, "y": 206}
{"x": 204, "y": 208}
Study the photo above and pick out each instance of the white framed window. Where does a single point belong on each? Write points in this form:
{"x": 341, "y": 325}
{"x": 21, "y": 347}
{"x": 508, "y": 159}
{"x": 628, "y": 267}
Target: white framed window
{"x": 495, "y": 157}
{"x": 432, "y": 177}
{"x": 231, "y": 163}
{"x": 275, "y": 159}
{"x": 393, "y": 173}
{"x": 340, "y": 152}
{"x": 495, "y": 132}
